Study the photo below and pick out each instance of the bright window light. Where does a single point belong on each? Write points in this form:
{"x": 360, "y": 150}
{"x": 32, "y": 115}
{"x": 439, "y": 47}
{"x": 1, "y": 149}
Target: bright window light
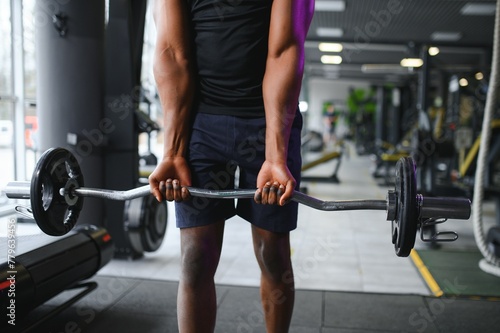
{"x": 330, "y": 47}
{"x": 303, "y": 106}
{"x": 331, "y": 59}
{"x": 412, "y": 62}
{"x": 433, "y": 51}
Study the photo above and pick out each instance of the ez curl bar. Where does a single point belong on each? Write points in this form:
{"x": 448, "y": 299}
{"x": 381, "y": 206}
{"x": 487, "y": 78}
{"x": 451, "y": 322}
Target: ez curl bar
{"x": 57, "y": 192}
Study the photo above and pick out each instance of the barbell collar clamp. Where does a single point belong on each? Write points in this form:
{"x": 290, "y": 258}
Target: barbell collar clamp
{"x": 391, "y": 205}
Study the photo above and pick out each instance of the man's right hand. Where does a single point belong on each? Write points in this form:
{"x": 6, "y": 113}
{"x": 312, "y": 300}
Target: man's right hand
{"x": 169, "y": 180}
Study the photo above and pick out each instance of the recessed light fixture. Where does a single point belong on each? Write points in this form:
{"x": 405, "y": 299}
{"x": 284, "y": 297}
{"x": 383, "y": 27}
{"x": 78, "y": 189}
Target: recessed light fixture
{"x": 331, "y": 59}
{"x": 463, "y": 82}
{"x": 330, "y": 6}
{"x": 478, "y": 9}
{"x": 412, "y": 62}
{"x": 433, "y": 51}
{"x": 329, "y": 32}
{"x": 330, "y": 47}
{"x": 446, "y": 36}
{"x": 479, "y": 76}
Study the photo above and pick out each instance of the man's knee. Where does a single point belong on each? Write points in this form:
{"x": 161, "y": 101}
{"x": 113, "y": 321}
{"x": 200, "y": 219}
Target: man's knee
{"x": 274, "y": 259}
{"x": 198, "y": 261}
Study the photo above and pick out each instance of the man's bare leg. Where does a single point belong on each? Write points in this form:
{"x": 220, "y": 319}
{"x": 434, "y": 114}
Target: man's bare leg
{"x": 196, "y": 301}
{"x": 277, "y": 291}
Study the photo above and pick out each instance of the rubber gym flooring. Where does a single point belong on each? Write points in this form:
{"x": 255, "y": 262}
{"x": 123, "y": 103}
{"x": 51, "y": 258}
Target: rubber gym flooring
{"x": 457, "y": 274}
{"x": 133, "y": 305}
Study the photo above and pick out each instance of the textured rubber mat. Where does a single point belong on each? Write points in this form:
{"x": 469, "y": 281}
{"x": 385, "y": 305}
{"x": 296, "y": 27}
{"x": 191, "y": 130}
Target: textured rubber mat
{"x": 456, "y": 273}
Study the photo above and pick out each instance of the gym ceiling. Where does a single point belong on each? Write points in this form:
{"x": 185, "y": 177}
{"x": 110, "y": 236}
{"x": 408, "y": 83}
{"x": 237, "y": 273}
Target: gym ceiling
{"x": 377, "y": 34}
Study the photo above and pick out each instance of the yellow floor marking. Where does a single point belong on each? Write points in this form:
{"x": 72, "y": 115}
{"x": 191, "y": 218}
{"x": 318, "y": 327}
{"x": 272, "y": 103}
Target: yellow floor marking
{"x": 426, "y": 275}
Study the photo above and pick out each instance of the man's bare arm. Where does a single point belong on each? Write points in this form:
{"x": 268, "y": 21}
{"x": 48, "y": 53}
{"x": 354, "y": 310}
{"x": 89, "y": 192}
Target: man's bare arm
{"x": 174, "y": 79}
{"x": 290, "y": 20}
{"x": 172, "y": 72}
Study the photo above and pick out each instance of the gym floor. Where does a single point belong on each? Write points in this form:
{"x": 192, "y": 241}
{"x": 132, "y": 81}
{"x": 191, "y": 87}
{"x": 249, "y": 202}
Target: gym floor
{"x": 348, "y": 278}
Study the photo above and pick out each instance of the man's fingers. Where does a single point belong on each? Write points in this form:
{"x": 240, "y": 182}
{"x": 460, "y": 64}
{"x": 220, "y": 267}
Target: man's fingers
{"x": 287, "y": 193}
{"x": 185, "y": 193}
{"x": 176, "y": 189}
{"x": 281, "y": 190}
{"x": 258, "y": 196}
{"x": 265, "y": 193}
{"x": 155, "y": 191}
{"x": 273, "y": 194}
{"x": 169, "y": 196}
{"x": 171, "y": 190}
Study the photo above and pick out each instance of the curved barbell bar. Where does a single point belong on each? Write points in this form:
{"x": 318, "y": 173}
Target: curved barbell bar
{"x": 56, "y": 193}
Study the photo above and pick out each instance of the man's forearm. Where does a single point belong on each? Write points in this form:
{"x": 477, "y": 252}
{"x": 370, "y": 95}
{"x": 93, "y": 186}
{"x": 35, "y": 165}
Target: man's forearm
{"x": 289, "y": 24}
{"x": 175, "y": 87}
{"x": 281, "y": 87}
{"x": 172, "y": 72}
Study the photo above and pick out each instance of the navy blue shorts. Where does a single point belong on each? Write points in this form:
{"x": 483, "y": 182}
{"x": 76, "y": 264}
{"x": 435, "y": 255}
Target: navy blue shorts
{"x": 220, "y": 145}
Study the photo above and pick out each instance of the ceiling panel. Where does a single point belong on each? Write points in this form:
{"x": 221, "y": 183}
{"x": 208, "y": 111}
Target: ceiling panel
{"x": 385, "y": 31}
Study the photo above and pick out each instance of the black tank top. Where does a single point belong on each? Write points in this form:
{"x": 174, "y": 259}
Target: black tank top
{"x": 230, "y": 43}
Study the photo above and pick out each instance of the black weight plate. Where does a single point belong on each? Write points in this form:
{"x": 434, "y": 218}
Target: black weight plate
{"x": 145, "y": 222}
{"x": 404, "y": 227}
{"x": 133, "y": 224}
{"x": 50, "y": 209}
{"x": 155, "y": 219}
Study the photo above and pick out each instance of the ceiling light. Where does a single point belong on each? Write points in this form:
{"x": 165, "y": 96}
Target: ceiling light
{"x": 412, "y": 62}
{"x": 433, "y": 51}
{"x": 463, "y": 82}
{"x": 329, "y": 32}
{"x": 478, "y": 9}
{"x": 330, "y": 6}
{"x": 479, "y": 76}
{"x": 330, "y": 47}
{"x": 331, "y": 59}
{"x": 446, "y": 36}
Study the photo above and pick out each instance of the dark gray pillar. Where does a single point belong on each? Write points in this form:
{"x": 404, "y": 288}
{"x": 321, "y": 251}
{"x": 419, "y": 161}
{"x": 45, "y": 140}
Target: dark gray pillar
{"x": 124, "y": 40}
{"x": 70, "y": 87}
